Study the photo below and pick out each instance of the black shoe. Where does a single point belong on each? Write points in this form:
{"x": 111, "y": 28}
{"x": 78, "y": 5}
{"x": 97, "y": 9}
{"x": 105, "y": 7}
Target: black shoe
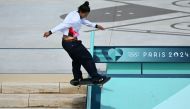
{"x": 75, "y": 82}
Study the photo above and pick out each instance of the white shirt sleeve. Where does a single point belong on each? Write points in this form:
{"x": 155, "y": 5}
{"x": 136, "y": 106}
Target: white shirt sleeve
{"x": 61, "y": 26}
{"x": 88, "y": 23}
{"x": 67, "y": 23}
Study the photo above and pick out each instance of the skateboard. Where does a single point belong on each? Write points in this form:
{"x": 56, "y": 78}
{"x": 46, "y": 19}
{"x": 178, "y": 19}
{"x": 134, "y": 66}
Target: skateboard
{"x": 88, "y": 81}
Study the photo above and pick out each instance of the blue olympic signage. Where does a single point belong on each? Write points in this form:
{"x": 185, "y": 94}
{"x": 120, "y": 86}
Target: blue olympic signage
{"x": 108, "y": 54}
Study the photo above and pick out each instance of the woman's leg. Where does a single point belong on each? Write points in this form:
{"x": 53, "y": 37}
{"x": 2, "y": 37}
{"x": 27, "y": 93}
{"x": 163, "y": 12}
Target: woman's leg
{"x": 79, "y": 53}
{"x": 87, "y": 61}
{"x": 76, "y": 65}
{"x": 76, "y": 70}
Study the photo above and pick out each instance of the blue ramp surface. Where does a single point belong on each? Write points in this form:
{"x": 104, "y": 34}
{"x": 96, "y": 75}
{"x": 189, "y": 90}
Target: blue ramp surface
{"x": 146, "y": 93}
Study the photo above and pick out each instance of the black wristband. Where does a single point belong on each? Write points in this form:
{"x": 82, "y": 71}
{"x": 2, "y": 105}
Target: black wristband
{"x": 96, "y": 26}
{"x": 50, "y": 32}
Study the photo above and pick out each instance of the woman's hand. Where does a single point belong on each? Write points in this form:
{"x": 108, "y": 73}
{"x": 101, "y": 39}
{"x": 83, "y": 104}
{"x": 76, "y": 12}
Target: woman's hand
{"x": 47, "y": 34}
{"x": 100, "y": 27}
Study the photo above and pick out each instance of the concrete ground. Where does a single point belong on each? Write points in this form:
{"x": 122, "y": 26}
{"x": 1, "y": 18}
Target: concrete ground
{"x": 128, "y": 23}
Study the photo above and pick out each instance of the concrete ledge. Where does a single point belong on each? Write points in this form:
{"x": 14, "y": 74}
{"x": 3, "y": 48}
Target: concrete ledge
{"x": 39, "y": 78}
{"x": 14, "y": 100}
{"x": 38, "y": 88}
{"x": 57, "y": 100}
{"x": 41, "y": 108}
{"x": 0, "y": 87}
{"x": 36, "y": 78}
{"x": 30, "y": 87}
{"x": 69, "y": 101}
{"x": 67, "y": 88}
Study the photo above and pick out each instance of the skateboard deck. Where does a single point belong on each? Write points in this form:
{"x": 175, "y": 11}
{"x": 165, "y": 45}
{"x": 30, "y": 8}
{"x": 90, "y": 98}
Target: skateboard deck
{"x": 88, "y": 81}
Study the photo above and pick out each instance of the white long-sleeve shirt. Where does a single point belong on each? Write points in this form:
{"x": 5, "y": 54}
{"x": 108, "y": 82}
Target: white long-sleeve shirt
{"x": 72, "y": 20}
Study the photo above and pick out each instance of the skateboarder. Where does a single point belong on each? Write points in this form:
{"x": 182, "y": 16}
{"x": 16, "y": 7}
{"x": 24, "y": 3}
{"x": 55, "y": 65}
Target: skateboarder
{"x": 74, "y": 47}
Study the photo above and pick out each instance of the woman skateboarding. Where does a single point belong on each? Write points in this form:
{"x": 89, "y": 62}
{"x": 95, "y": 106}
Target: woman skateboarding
{"x": 79, "y": 54}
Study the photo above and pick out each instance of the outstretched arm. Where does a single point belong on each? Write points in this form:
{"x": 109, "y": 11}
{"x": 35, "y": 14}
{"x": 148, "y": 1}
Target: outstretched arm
{"x": 90, "y": 24}
{"x": 59, "y": 27}
{"x": 64, "y": 25}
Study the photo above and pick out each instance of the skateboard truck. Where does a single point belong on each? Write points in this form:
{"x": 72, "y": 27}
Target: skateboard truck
{"x": 79, "y": 86}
